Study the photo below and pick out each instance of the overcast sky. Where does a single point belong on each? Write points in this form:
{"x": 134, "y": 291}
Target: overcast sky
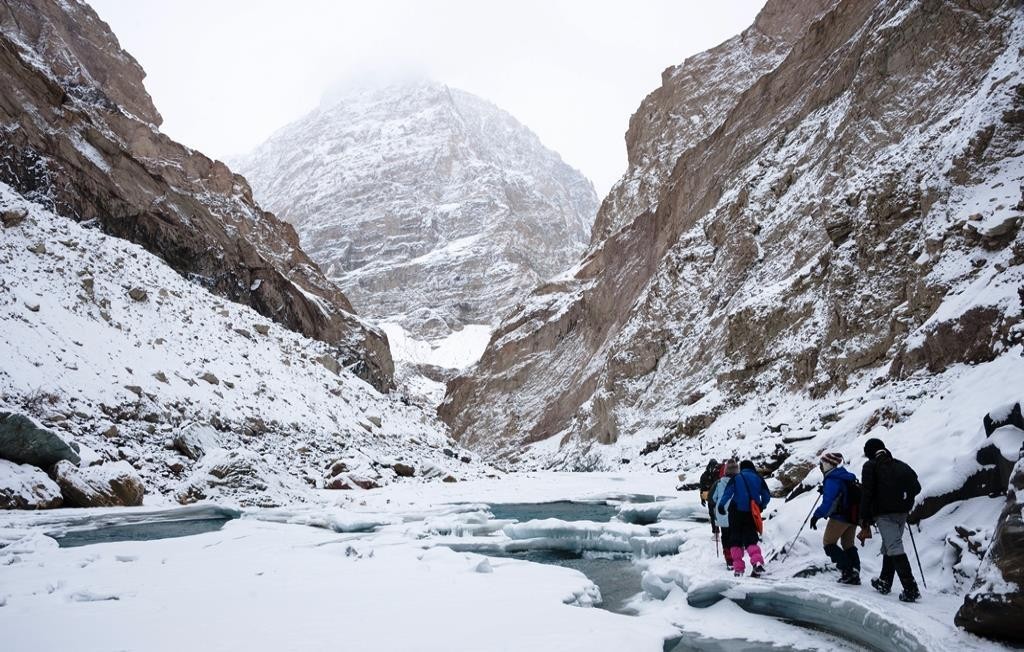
{"x": 225, "y": 74}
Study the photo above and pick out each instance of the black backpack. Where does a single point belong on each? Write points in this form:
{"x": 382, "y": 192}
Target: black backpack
{"x": 851, "y": 495}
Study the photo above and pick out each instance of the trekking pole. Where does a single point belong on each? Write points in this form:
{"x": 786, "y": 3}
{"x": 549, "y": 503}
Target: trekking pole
{"x": 785, "y": 552}
{"x": 716, "y": 547}
{"x": 914, "y": 543}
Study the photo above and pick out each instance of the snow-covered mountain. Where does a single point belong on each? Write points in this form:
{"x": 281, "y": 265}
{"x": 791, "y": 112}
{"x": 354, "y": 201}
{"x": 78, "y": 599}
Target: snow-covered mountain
{"x": 847, "y": 218}
{"x": 430, "y": 207}
{"x": 79, "y": 134}
{"x": 159, "y": 331}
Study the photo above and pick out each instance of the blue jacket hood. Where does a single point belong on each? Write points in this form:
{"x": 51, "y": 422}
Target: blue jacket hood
{"x": 833, "y": 493}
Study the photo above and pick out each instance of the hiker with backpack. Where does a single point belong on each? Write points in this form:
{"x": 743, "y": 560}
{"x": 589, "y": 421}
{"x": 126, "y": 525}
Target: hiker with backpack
{"x": 840, "y": 505}
{"x": 730, "y": 469}
{"x": 745, "y": 495}
{"x": 889, "y": 487}
{"x": 708, "y": 478}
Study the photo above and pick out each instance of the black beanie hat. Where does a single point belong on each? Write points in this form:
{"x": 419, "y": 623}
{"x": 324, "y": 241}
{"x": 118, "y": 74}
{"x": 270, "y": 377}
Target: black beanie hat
{"x": 872, "y": 446}
{"x": 747, "y": 465}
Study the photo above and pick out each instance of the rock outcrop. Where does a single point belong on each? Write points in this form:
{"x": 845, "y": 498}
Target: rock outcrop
{"x": 79, "y": 134}
{"x": 107, "y": 485}
{"x": 427, "y": 205}
{"x": 22, "y": 441}
{"x": 851, "y": 207}
{"x": 23, "y": 486}
{"x": 994, "y": 607}
{"x": 239, "y": 475}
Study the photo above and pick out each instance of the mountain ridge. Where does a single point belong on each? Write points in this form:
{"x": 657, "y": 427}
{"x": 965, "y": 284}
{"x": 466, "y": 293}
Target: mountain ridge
{"x": 396, "y": 187}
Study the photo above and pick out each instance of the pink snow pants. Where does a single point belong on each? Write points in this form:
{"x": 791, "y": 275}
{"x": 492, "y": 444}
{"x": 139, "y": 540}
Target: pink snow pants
{"x": 736, "y": 553}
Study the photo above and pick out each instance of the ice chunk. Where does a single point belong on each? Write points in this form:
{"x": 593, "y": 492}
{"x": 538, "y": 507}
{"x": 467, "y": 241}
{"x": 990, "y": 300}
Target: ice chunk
{"x": 466, "y": 524}
{"x": 336, "y": 519}
{"x": 665, "y": 510}
{"x": 572, "y": 536}
{"x": 484, "y": 566}
{"x": 640, "y": 513}
{"x": 855, "y": 619}
{"x": 667, "y": 544}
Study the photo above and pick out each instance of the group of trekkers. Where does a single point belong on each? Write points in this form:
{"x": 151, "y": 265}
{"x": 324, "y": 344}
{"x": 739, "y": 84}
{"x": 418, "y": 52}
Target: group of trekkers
{"x": 735, "y": 494}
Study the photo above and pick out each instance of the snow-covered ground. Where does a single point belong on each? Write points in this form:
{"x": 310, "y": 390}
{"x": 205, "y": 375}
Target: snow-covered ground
{"x": 263, "y": 583}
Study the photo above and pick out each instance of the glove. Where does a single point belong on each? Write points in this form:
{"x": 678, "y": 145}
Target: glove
{"x": 814, "y": 523}
{"x": 703, "y": 503}
{"x": 864, "y": 535}
{"x": 714, "y": 529}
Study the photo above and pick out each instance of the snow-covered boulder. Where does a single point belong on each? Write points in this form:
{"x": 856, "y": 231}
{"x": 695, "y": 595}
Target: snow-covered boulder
{"x": 105, "y": 485}
{"x": 238, "y": 476}
{"x": 194, "y": 439}
{"x": 352, "y": 473}
{"x": 23, "y": 486}
{"x": 995, "y": 606}
{"x": 24, "y": 442}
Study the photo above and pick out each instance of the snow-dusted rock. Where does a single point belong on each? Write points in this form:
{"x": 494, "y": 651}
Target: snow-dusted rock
{"x": 429, "y": 206}
{"x": 995, "y": 605}
{"x": 24, "y": 442}
{"x": 194, "y": 439}
{"x": 240, "y": 476}
{"x": 23, "y": 486}
{"x": 106, "y": 485}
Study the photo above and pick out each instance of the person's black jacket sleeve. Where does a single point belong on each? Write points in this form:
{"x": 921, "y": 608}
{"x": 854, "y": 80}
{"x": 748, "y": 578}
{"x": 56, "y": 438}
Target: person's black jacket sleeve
{"x": 867, "y": 492}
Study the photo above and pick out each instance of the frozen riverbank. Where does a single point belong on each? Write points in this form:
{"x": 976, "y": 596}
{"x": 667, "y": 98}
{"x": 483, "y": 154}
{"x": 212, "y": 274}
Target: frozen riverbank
{"x": 413, "y": 575}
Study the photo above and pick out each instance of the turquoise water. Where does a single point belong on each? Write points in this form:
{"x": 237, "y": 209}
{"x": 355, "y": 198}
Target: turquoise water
{"x": 563, "y": 509}
{"x": 139, "y": 532}
{"x": 618, "y": 579}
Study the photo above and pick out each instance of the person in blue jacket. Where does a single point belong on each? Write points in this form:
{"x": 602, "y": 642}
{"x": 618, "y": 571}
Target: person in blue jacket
{"x": 838, "y": 505}
{"x": 747, "y": 486}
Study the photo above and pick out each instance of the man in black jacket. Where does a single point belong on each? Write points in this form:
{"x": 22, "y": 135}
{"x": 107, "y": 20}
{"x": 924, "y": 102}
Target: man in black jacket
{"x": 889, "y": 487}
{"x": 707, "y": 480}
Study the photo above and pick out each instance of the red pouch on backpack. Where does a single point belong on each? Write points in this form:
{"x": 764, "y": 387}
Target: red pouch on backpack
{"x": 755, "y": 513}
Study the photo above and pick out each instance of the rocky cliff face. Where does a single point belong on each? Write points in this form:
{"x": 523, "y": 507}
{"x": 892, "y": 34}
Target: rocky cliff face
{"x": 843, "y": 215}
{"x": 427, "y": 205}
{"x": 79, "y": 134}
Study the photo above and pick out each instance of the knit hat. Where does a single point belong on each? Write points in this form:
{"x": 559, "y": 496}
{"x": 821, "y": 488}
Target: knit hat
{"x": 732, "y": 468}
{"x": 832, "y": 459}
{"x": 872, "y": 446}
{"x": 747, "y": 465}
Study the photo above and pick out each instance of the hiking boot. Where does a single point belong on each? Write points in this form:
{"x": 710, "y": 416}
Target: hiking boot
{"x": 737, "y": 573}
{"x": 728, "y": 566}
{"x": 910, "y": 595}
{"x": 881, "y": 585}
{"x": 850, "y": 577}
{"x": 906, "y": 575}
{"x": 757, "y": 571}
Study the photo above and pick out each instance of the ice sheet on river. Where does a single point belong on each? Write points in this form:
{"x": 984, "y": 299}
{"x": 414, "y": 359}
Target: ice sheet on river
{"x": 665, "y": 510}
{"x": 846, "y": 613}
